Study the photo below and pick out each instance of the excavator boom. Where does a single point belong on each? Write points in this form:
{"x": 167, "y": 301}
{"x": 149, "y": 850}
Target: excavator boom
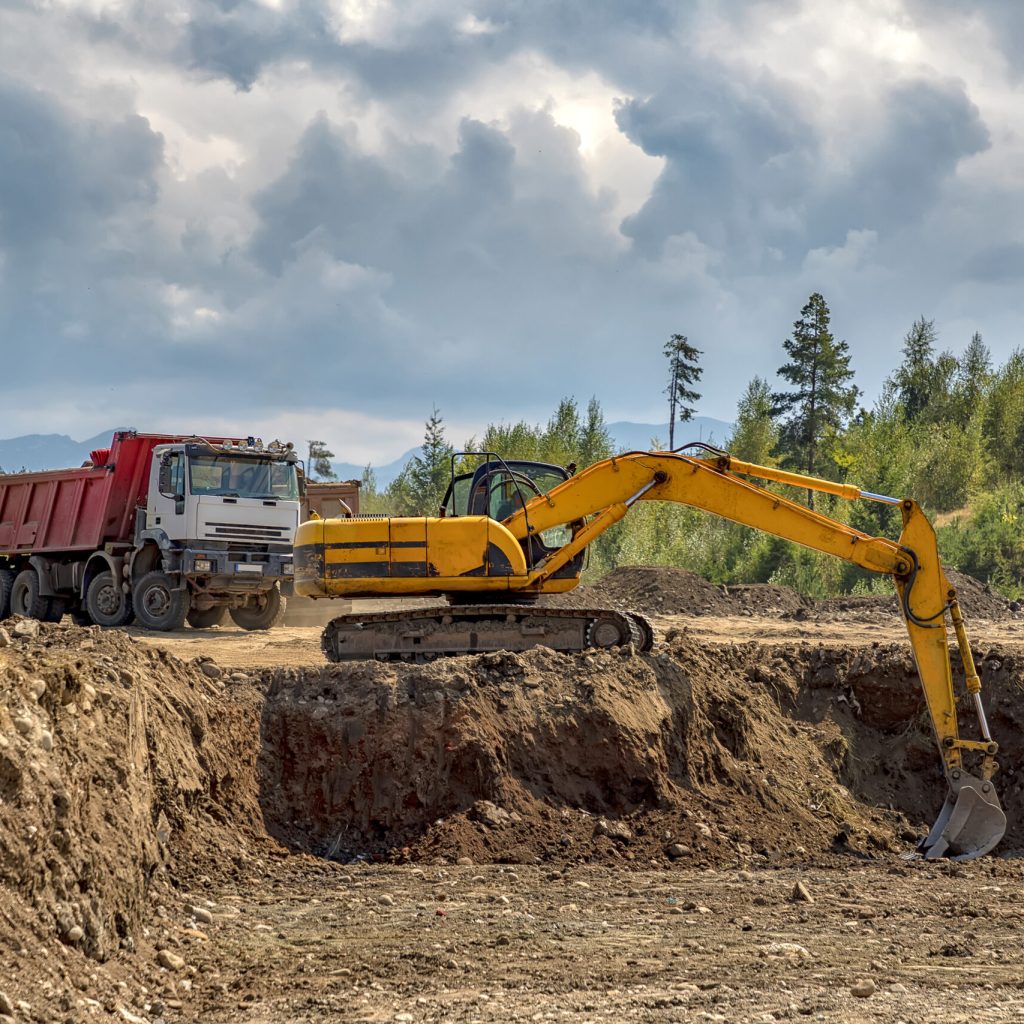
{"x": 469, "y": 553}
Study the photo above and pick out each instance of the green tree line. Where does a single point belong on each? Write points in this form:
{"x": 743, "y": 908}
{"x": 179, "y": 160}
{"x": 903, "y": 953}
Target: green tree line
{"x": 947, "y": 429}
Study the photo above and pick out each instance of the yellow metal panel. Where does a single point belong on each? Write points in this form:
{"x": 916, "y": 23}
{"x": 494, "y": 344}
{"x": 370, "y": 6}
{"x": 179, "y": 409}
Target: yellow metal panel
{"x": 408, "y": 546}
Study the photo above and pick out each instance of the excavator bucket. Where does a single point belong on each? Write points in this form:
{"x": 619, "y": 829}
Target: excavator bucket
{"x": 970, "y": 823}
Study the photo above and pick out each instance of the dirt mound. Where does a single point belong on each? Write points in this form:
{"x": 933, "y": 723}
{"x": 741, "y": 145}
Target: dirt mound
{"x": 725, "y": 753}
{"x": 667, "y": 590}
{"x": 111, "y": 757}
{"x": 977, "y": 600}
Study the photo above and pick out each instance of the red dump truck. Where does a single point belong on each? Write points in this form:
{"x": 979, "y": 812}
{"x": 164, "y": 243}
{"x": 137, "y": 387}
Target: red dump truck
{"x": 157, "y": 528}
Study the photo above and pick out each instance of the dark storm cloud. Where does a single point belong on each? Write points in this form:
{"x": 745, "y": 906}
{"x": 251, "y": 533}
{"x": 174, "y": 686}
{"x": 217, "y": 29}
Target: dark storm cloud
{"x": 62, "y": 177}
{"x": 432, "y": 55}
{"x": 737, "y": 155}
{"x": 744, "y": 169}
{"x": 926, "y": 129}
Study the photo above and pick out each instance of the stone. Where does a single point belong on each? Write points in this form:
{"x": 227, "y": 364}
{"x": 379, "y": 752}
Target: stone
{"x": 26, "y": 628}
{"x": 24, "y": 724}
{"x": 6, "y": 1006}
{"x": 863, "y": 988}
{"x": 75, "y": 934}
{"x": 617, "y": 830}
{"x": 173, "y": 962}
{"x": 202, "y": 915}
{"x": 46, "y": 740}
{"x": 37, "y": 688}
{"x": 386, "y": 900}
{"x": 677, "y": 850}
{"x": 784, "y": 951}
{"x": 465, "y": 862}
{"x": 489, "y": 813}
{"x": 211, "y": 670}
{"x": 801, "y": 894}
{"x": 5, "y": 638}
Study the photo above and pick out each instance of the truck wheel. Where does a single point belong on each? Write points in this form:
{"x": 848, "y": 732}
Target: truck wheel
{"x": 158, "y": 604}
{"x": 25, "y": 599}
{"x": 6, "y": 583}
{"x": 106, "y": 603}
{"x": 255, "y": 617}
{"x": 207, "y": 617}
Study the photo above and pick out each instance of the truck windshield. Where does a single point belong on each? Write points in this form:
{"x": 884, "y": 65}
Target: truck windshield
{"x": 232, "y": 477}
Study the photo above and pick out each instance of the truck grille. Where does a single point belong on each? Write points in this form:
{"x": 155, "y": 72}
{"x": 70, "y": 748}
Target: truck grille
{"x": 237, "y": 531}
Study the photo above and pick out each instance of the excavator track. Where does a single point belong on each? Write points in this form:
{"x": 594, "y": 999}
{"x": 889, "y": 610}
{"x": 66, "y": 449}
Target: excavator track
{"x": 423, "y": 634}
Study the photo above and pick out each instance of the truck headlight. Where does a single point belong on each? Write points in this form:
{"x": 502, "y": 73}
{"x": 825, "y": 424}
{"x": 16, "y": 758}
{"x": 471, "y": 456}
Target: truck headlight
{"x": 288, "y": 569}
{"x": 202, "y": 565}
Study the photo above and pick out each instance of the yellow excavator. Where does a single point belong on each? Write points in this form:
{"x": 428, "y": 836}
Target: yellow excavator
{"x": 510, "y": 531}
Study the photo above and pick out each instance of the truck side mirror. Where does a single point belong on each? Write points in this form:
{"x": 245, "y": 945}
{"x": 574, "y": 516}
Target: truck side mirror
{"x": 164, "y": 484}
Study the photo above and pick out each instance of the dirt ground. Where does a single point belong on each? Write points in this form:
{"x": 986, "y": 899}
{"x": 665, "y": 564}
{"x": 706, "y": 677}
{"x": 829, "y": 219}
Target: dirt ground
{"x": 218, "y": 826}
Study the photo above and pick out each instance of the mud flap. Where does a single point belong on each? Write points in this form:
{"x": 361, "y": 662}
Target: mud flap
{"x": 970, "y": 823}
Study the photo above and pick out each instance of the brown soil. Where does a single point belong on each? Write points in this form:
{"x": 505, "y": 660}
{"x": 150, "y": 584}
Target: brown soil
{"x": 659, "y": 590}
{"x": 290, "y": 830}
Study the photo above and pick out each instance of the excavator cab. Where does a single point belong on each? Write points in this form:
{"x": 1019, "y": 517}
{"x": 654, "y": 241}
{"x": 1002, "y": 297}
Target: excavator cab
{"x": 498, "y": 488}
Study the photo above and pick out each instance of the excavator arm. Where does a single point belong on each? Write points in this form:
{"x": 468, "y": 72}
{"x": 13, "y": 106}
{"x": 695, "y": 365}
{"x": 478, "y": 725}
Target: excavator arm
{"x": 971, "y": 821}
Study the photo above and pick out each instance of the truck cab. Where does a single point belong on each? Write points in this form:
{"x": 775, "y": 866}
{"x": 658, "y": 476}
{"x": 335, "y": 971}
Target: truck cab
{"x": 216, "y": 529}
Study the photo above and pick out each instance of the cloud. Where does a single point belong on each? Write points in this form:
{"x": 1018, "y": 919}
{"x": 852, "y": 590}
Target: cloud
{"x": 245, "y": 211}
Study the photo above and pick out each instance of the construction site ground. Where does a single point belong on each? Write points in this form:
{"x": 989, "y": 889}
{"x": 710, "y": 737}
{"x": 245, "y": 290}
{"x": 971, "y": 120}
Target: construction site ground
{"x": 217, "y": 826}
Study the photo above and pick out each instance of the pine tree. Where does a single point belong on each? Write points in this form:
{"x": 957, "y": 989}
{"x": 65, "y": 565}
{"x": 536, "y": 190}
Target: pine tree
{"x": 822, "y": 398}
{"x": 915, "y": 377}
{"x": 320, "y": 462}
{"x": 560, "y": 442}
{"x": 756, "y": 433}
{"x": 683, "y": 372}
{"x": 595, "y": 440}
{"x": 974, "y": 375}
{"x": 428, "y": 474}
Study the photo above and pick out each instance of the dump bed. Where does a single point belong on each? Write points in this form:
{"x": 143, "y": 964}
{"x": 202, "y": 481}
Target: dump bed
{"x": 67, "y": 510}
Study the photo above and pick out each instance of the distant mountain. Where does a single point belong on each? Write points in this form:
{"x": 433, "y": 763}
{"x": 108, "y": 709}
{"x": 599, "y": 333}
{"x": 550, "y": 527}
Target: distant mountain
{"x": 631, "y": 437}
{"x": 58, "y": 451}
{"x": 385, "y": 473}
{"x": 49, "y": 451}
{"x": 627, "y": 437}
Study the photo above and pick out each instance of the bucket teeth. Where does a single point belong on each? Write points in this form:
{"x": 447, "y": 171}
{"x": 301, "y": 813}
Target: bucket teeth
{"x": 970, "y": 823}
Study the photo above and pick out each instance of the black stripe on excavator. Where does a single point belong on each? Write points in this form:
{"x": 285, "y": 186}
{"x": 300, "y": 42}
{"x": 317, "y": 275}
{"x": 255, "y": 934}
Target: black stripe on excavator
{"x": 308, "y": 556}
{"x": 350, "y": 545}
{"x": 377, "y": 570}
{"x": 497, "y": 563}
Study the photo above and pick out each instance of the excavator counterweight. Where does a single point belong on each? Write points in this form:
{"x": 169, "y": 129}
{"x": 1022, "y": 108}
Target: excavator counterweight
{"x": 511, "y": 531}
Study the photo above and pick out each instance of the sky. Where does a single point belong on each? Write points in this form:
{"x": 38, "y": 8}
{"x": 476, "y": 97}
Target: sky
{"x": 323, "y": 218}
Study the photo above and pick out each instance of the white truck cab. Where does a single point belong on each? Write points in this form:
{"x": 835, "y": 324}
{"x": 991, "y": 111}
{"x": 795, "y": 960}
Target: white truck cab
{"x": 216, "y": 534}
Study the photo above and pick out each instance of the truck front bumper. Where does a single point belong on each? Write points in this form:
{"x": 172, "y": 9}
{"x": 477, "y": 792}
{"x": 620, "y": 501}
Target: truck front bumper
{"x": 221, "y": 570}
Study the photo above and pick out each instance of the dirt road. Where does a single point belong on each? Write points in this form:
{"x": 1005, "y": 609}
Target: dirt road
{"x": 299, "y": 646}
{"x": 500, "y": 943}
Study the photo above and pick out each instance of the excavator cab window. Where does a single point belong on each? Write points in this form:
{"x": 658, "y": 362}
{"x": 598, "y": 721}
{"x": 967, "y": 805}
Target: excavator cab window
{"x": 499, "y": 489}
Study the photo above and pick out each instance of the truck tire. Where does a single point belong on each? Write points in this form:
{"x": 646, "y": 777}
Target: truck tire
{"x": 158, "y": 603}
{"x": 25, "y": 599}
{"x": 106, "y": 603}
{"x": 6, "y": 582}
{"x": 207, "y": 617}
{"x": 255, "y": 617}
